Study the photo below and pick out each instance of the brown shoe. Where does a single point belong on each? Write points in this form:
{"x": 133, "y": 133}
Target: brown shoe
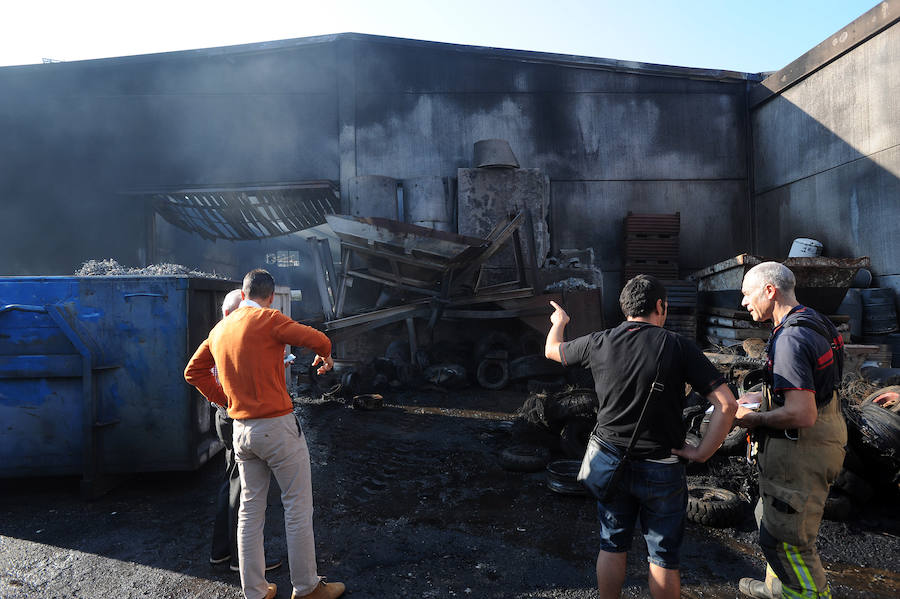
{"x": 323, "y": 590}
{"x": 271, "y": 592}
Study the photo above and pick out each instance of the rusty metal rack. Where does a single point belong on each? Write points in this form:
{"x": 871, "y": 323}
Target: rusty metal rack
{"x": 246, "y": 211}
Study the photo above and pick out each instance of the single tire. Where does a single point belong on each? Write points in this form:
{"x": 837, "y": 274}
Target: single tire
{"x": 492, "y": 373}
{"x": 561, "y": 477}
{"x": 524, "y": 458}
{"x": 712, "y": 506}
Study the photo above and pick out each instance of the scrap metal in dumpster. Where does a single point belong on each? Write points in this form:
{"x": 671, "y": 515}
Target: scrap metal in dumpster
{"x": 91, "y": 375}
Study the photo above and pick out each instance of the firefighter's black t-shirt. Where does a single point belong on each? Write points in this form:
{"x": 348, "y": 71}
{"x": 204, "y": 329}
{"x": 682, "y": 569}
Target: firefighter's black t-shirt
{"x": 623, "y": 361}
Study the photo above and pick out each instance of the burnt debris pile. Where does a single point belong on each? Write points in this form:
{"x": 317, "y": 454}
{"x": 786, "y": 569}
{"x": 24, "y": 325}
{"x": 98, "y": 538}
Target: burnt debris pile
{"x": 111, "y": 268}
{"x": 496, "y": 361}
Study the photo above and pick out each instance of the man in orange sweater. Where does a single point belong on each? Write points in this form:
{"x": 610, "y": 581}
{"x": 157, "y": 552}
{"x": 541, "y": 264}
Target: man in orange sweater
{"x": 228, "y": 501}
{"x": 247, "y": 350}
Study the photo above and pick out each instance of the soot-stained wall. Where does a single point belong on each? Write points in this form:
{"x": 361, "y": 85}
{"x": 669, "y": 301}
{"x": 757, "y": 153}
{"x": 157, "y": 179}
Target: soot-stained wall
{"x": 610, "y": 141}
{"x": 612, "y": 137}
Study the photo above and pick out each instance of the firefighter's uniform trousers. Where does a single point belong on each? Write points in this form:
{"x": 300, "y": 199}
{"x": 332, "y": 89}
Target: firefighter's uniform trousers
{"x": 795, "y": 474}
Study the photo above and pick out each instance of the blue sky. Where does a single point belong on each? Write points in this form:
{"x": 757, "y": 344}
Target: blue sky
{"x": 749, "y": 35}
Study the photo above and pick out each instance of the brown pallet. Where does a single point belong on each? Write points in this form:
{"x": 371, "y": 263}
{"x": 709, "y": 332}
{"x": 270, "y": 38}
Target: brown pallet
{"x": 636, "y": 254}
{"x": 653, "y": 223}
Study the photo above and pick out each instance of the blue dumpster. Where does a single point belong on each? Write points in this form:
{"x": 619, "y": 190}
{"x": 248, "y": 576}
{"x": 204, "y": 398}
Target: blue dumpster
{"x": 91, "y": 375}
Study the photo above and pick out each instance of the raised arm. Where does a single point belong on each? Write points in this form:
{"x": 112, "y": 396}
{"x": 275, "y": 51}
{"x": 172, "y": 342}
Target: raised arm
{"x": 558, "y": 320}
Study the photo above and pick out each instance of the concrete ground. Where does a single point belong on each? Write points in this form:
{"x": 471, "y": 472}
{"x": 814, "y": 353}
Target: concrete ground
{"x": 410, "y": 502}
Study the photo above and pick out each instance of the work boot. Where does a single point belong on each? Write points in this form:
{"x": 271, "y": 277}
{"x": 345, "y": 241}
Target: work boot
{"x": 323, "y": 590}
{"x": 271, "y": 564}
{"x": 270, "y": 594}
{"x": 757, "y": 589}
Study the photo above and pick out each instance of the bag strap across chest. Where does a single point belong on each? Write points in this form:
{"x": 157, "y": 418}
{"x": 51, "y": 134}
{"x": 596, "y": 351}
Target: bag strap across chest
{"x": 656, "y": 388}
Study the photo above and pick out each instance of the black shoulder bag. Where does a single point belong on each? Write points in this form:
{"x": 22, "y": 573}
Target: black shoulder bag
{"x": 602, "y": 482}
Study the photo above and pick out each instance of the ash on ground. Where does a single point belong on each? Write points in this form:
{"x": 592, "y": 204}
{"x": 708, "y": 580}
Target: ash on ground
{"x": 410, "y": 501}
{"x": 111, "y": 268}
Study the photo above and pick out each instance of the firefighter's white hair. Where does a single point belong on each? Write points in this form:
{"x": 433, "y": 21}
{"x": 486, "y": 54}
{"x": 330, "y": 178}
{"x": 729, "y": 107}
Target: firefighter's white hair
{"x": 773, "y": 273}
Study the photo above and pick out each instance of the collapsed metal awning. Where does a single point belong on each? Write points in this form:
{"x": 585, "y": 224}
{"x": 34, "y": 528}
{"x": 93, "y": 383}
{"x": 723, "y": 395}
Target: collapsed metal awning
{"x": 247, "y": 212}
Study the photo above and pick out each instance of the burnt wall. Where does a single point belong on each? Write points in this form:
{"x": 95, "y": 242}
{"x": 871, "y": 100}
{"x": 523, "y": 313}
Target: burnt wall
{"x": 827, "y": 152}
{"x": 612, "y": 138}
{"x": 610, "y": 141}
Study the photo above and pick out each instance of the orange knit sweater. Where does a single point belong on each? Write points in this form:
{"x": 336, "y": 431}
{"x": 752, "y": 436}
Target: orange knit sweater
{"x": 247, "y": 349}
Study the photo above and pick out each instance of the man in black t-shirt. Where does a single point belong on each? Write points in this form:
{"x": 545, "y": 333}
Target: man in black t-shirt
{"x": 624, "y": 361}
{"x": 800, "y": 433}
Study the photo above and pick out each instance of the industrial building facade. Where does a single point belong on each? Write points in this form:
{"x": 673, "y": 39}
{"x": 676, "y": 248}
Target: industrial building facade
{"x": 750, "y": 162}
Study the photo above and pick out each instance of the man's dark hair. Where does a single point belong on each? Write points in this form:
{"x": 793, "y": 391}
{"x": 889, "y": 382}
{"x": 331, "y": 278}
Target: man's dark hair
{"x": 639, "y": 296}
{"x": 258, "y": 284}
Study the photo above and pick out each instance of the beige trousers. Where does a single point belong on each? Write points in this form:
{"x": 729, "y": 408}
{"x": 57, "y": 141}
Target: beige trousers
{"x": 262, "y": 447}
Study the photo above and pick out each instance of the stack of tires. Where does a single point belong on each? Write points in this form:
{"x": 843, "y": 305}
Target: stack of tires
{"x": 873, "y": 457}
{"x": 880, "y": 324}
{"x": 879, "y": 313}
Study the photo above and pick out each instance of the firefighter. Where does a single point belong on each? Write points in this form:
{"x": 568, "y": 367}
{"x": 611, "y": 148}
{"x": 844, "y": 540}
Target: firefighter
{"x": 799, "y": 433}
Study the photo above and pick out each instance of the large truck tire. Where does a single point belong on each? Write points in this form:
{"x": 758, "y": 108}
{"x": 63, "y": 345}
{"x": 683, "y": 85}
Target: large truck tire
{"x": 712, "y": 506}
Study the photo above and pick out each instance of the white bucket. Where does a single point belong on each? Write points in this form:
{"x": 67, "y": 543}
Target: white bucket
{"x": 805, "y": 248}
